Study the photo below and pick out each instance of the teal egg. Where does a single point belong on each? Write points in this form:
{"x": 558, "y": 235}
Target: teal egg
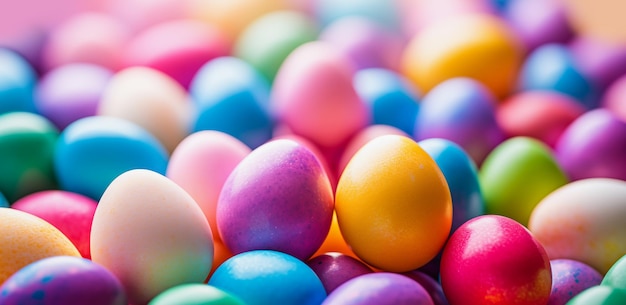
{"x": 17, "y": 83}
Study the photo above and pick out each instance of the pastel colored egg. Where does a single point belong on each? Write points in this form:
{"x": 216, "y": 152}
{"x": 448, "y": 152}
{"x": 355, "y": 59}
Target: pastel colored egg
{"x": 382, "y": 12}
{"x": 616, "y": 276}
{"x": 335, "y": 268}
{"x": 200, "y": 165}
{"x": 602, "y": 61}
{"x": 93, "y": 151}
{"x": 314, "y": 96}
{"x": 463, "y": 111}
{"x": 140, "y": 14}
{"x": 277, "y": 198}
{"x": 417, "y": 15}
{"x": 493, "y": 259}
{"x": 517, "y": 175}
{"x": 17, "y": 82}
{"x": 367, "y": 43}
{"x": 583, "y": 221}
{"x": 264, "y": 277}
{"x": 150, "y": 99}
{"x": 430, "y": 285}
{"x": 27, "y": 143}
{"x": 462, "y": 177}
{"x": 569, "y": 278}
{"x": 599, "y": 295}
{"x": 381, "y": 288}
{"x": 393, "y": 204}
{"x": 552, "y": 67}
{"x": 268, "y": 40}
{"x": 478, "y": 46}
{"x": 70, "y": 92}
{"x": 159, "y": 241}
{"x": 25, "y": 239}
{"x": 330, "y": 172}
{"x": 195, "y": 294}
{"x": 63, "y": 280}
{"x": 231, "y": 96}
{"x": 542, "y": 115}
{"x": 177, "y": 48}
{"x": 392, "y": 99}
{"x": 615, "y": 98}
{"x": 594, "y": 145}
{"x": 71, "y": 213}
{"x": 94, "y": 38}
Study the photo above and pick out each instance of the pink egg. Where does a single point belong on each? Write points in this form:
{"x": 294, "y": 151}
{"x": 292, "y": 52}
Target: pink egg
{"x": 615, "y": 98}
{"x": 200, "y": 165}
{"x": 141, "y": 14}
{"x": 335, "y": 268}
{"x": 314, "y": 96}
{"x": 69, "y": 212}
{"x": 600, "y": 60}
{"x": 332, "y": 175}
{"x": 178, "y": 48}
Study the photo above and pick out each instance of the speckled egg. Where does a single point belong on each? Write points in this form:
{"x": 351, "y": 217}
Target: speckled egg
{"x": 569, "y": 278}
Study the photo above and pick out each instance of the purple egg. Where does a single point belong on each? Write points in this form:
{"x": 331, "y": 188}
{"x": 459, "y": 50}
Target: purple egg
{"x": 335, "y": 268}
{"x": 71, "y": 92}
{"x": 63, "y": 280}
{"x": 277, "y": 198}
{"x": 569, "y": 278}
{"x": 615, "y": 98}
{"x": 432, "y": 287}
{"x": 538, "y": 22}
{"x": 381, "y": 288}
{"x": 594, "y": 146}
{"x": 601, "y": 61}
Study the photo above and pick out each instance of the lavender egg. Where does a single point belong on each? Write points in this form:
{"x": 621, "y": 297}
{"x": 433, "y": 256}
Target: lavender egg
{"x": 569, "y": 278}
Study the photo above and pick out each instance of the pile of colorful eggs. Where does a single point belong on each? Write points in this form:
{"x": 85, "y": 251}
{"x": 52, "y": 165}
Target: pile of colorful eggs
{"x": 313, "y": 152}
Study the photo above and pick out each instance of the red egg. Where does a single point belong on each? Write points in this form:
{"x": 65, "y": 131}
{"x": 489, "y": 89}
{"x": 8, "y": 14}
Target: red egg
{"x": 493, "y": 259}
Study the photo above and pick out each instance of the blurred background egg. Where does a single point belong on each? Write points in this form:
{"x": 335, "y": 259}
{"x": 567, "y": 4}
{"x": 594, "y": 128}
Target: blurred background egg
{"x": 17, "y": 82}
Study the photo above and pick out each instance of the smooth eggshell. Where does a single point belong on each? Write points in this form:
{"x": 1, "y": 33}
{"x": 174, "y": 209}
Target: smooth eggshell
{"x": 17, "y": 82}
{"x": 616, "y": 276}
{"x": 600, "y": 295}
{"x": 335, "y": 268}
{"x": 195, "y": 294}
{"x": 431, "y": 285}
{"x": 569, "y": 278}
{"x": 615, "y": 98}
{"x": 151, "y": 235}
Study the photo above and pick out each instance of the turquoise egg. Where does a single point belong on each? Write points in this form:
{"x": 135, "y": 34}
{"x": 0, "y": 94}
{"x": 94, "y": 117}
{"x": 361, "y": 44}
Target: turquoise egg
{"x": 17, "y": 83}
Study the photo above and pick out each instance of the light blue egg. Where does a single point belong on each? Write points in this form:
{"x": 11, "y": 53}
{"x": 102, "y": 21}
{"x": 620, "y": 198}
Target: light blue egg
{"x": 391, "y": 98}
{"x": 232, "y": 97}
{"x": 265, "y": 277}
{"x": 3, "y": 201}
{"x": 384, "y": 12}
{"x": 93, "y": 151}
{"x": 17, "y": 83}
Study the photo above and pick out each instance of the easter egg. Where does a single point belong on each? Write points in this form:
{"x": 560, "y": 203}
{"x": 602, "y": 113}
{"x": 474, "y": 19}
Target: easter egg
{"x": 140, "y": 14}
{"x": 71, "y": 213}
{"x": 594, "y": 145}
{"x": 231, "y": 96}
{"x": 335, "y": 268}
{"x": 478, "y": 46}
{"x": 493, "y": 259}
{"x": 150, "y": 99}
{"x": 70, "y": 92}
{"x": 569, "y": 278}
{"x": 462, "y": 177}
{"x": 393, "y": 204}
{"x": 195, "y": 294}
{"x": 601, "y": 61}
{"x": 430, "y": 285}
{"x": 583, "y": 221}
{"x": 151, "y": 235}
{"x": 334, "y": 241}
{"x": 314, "y": 96}
{"x": 517, "y": 175}
{"x": 92, "y": 151}
{"x": 382, "y": 12}
{"x": 463, "y": 111}
{"x": 538, "y": 22}
{"x": 277, "y": 198}
{"x": 17, "y": 82}
{"x": 616, "y": 276}
{"x": 264, "y": 277}
{"x": 381, "y": 288}
{"x": 26, "y": 238}
{"x": 27, "y": 144}
{"x": 615, "y": 98}
{"x": 392, "y": 99}
{"x": 268, "y": 40}
{"x": 599, "y": 295}
{"x": 63, "y": 280}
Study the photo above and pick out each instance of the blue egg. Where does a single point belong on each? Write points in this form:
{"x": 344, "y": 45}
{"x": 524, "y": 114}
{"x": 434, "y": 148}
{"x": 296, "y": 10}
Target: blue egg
{"x": 384, "y": 12}
{"x": 17, "y": 83}
{"x": 391, "y": 98}
{"x": 4, "y": 203}
{"x": 232, "y": 97}
{"x": 462, "y": 176}
{"x": 93, "y": 151}
{"x": 552, "y": 67}
{"x": 265, "y": 277}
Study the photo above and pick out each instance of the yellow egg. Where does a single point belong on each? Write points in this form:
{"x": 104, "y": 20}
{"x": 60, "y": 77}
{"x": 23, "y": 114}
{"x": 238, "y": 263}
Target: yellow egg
{"x": 476, "y": 46}
{"x": 26, "y": 238}
{"x": 393, "y": 204}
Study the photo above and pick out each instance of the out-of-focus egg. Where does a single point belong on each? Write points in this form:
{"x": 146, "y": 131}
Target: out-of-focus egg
{"x": 615, "y": 98}
{"x": 265, "y": 277}
{"x": 195, "y": 294}
{"x": 517, "y": 175}
{"x": 335, "y": 268}
{"x": 583, "y": 221}
{"x": 600, "y": 295}
{"x": 393, "y": 204}
{"x": 71, "y": 213}
{"x": 26, "y": 238}
{"x": 616, "y": 276}
{"x": 151, "y": 235}
{"x": 383, "y": 12}
{"x": 277, "y": 198}
{"x": 17, "y": 83}
{"x": 494, "y": 259}
{"x": 569, "y": 278}
{"x": 63, "y": 280}
{"x": 601, "y": 61}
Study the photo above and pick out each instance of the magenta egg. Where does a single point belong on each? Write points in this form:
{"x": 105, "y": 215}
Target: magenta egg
{"x": 569, "y": 278}
{"x": 334, "y": 269}
{"x": 615, "y": 98}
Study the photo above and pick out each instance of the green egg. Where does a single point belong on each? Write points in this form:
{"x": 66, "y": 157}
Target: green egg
{"x": 599, "y": 295}
{"x": 616, "y": 276}
{"x": 516, "y": 175}
{"x": 195, "y": 294}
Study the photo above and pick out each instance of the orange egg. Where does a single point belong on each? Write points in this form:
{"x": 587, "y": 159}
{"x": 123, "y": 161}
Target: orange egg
{"x": 334, "y": 241}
